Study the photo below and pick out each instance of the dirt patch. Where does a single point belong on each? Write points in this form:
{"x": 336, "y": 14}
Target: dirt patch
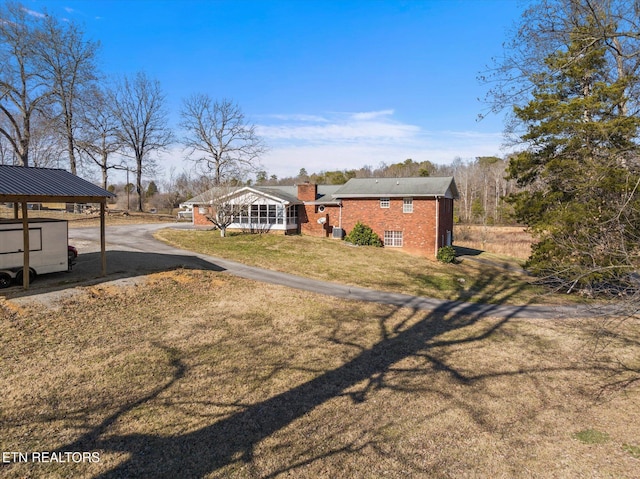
{"x": 52, "y": 297}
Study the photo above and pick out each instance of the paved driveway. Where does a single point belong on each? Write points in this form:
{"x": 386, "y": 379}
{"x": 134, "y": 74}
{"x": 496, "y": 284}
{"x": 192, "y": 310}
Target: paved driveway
{"x": 132, "y": 251}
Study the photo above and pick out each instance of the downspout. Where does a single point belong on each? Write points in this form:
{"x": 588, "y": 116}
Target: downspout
{"x": 437, "y": 224}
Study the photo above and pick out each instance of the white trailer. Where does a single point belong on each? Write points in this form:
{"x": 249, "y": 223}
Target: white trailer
{"x": 48, "y": 248}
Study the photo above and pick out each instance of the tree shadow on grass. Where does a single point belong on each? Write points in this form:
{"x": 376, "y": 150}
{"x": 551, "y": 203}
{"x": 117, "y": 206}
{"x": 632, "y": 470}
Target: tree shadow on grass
{"x": 232, "y": 440}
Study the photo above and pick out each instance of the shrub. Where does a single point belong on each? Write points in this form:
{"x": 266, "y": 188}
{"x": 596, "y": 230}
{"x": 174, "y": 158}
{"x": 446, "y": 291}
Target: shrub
{"x": 363, "y": 235}
{"x": 446, "y": 254}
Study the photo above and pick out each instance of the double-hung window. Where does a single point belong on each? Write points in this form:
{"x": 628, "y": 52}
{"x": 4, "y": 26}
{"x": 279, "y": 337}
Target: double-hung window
{"x": 407, "y": 205}
{"x": 393, "y": 239}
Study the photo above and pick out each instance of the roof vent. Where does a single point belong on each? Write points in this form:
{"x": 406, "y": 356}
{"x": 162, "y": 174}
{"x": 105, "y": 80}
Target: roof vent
{"x": 397, "y": 182}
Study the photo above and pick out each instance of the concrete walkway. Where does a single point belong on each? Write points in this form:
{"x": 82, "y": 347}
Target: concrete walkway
{"x": 133, "y": 251}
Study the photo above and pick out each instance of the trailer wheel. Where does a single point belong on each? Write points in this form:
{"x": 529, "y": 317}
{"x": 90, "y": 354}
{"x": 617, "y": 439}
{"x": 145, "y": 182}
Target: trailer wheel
{"x": 5, "y": 280}
{"x": 20, "y": 276}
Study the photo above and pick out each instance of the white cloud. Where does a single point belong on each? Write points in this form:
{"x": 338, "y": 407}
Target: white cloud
{"x": 339, "y": 141}
{"x": 351, "y": 140}
{"x": 337, "y": 127}
{"x": 370, "y": 115}
{"x": 298, "y": 117}
{"x": 287, "y": 160}
{"x": 33, "y": 13}
{"x": 337, "y": 132}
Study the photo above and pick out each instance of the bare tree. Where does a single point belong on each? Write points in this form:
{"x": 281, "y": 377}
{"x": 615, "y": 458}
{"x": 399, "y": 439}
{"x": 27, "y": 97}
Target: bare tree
{"x": 227, "y": 207}
{"x": 100, "y": 136}
{"x": 69, "y": 61}
{"x": 46, "y": 147}
{"x": 24, "y": 87}
{"x": 7, "y": 152}
{"x": 219, "y": 137}
{"x": 143, "y": 123}
{"x": 44, "y": 66}
{"x": 549, "y": 26}
{"x": 181, "y": 186}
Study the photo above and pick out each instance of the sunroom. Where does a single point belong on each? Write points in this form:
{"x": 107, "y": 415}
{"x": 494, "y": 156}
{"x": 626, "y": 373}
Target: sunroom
{"x": 255, "y": 210}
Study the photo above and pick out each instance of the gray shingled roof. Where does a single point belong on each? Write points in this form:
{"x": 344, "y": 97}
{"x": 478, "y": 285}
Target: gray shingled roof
{"x": 354, "y": 188}
{"x": 286, "y": 193}
{"x": 29, "y": 181}
{"x": 206, "y": 196}
{"x": 397, "y": 187}
{"x": 290, "y": 193}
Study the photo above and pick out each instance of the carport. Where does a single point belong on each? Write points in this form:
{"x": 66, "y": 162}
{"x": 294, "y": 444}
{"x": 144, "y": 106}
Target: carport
{"x": 22, "y": 185}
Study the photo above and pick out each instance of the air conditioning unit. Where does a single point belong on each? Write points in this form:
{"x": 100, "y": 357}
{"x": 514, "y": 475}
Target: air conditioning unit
{"x": 338, "y": 233}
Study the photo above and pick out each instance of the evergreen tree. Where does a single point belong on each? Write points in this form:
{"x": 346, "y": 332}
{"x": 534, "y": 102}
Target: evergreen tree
{"x": 580, "y": 199}
{"x": 152, "y": 189}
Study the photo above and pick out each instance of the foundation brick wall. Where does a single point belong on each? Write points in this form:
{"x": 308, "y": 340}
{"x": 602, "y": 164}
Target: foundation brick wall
{"x": 309, "y": 216}
{"x": 418, "y": 228}
{"x": 199, "y": 219}
{"x": 446, "y": 220}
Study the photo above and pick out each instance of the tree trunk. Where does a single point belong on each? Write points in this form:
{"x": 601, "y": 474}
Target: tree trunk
{"x": 104, "y": 177}
{"x": 72, "y": 157}
{"x": 139, "y": 185}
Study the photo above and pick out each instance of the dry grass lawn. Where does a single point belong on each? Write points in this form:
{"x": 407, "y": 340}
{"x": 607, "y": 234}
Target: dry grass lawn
{"x": 511, "y": 241}
{"x": 494, "y": 280}
{"x": 199, "y": 374}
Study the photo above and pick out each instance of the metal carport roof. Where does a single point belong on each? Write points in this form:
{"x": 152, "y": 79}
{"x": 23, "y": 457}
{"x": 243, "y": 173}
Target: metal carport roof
{"x": 19, "y": 184}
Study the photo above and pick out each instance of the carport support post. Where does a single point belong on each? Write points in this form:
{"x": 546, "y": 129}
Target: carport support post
{"x": 25, "y": 244}
{"x": 103, "y": 246}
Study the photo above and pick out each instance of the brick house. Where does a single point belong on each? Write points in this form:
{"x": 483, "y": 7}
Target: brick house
{"x": 414, "y": 214}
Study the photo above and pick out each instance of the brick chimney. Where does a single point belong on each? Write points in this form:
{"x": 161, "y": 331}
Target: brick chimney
{"x": 307, "y": 191}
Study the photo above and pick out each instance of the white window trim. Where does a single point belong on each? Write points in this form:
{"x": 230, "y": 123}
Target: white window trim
{"x": 407, "y": 205}
{"x": 392, "y": 238}
{"x": 385, "y": 203}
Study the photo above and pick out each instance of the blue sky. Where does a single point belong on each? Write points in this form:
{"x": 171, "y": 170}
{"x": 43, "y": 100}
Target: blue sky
{"x": 330, "y": 84}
